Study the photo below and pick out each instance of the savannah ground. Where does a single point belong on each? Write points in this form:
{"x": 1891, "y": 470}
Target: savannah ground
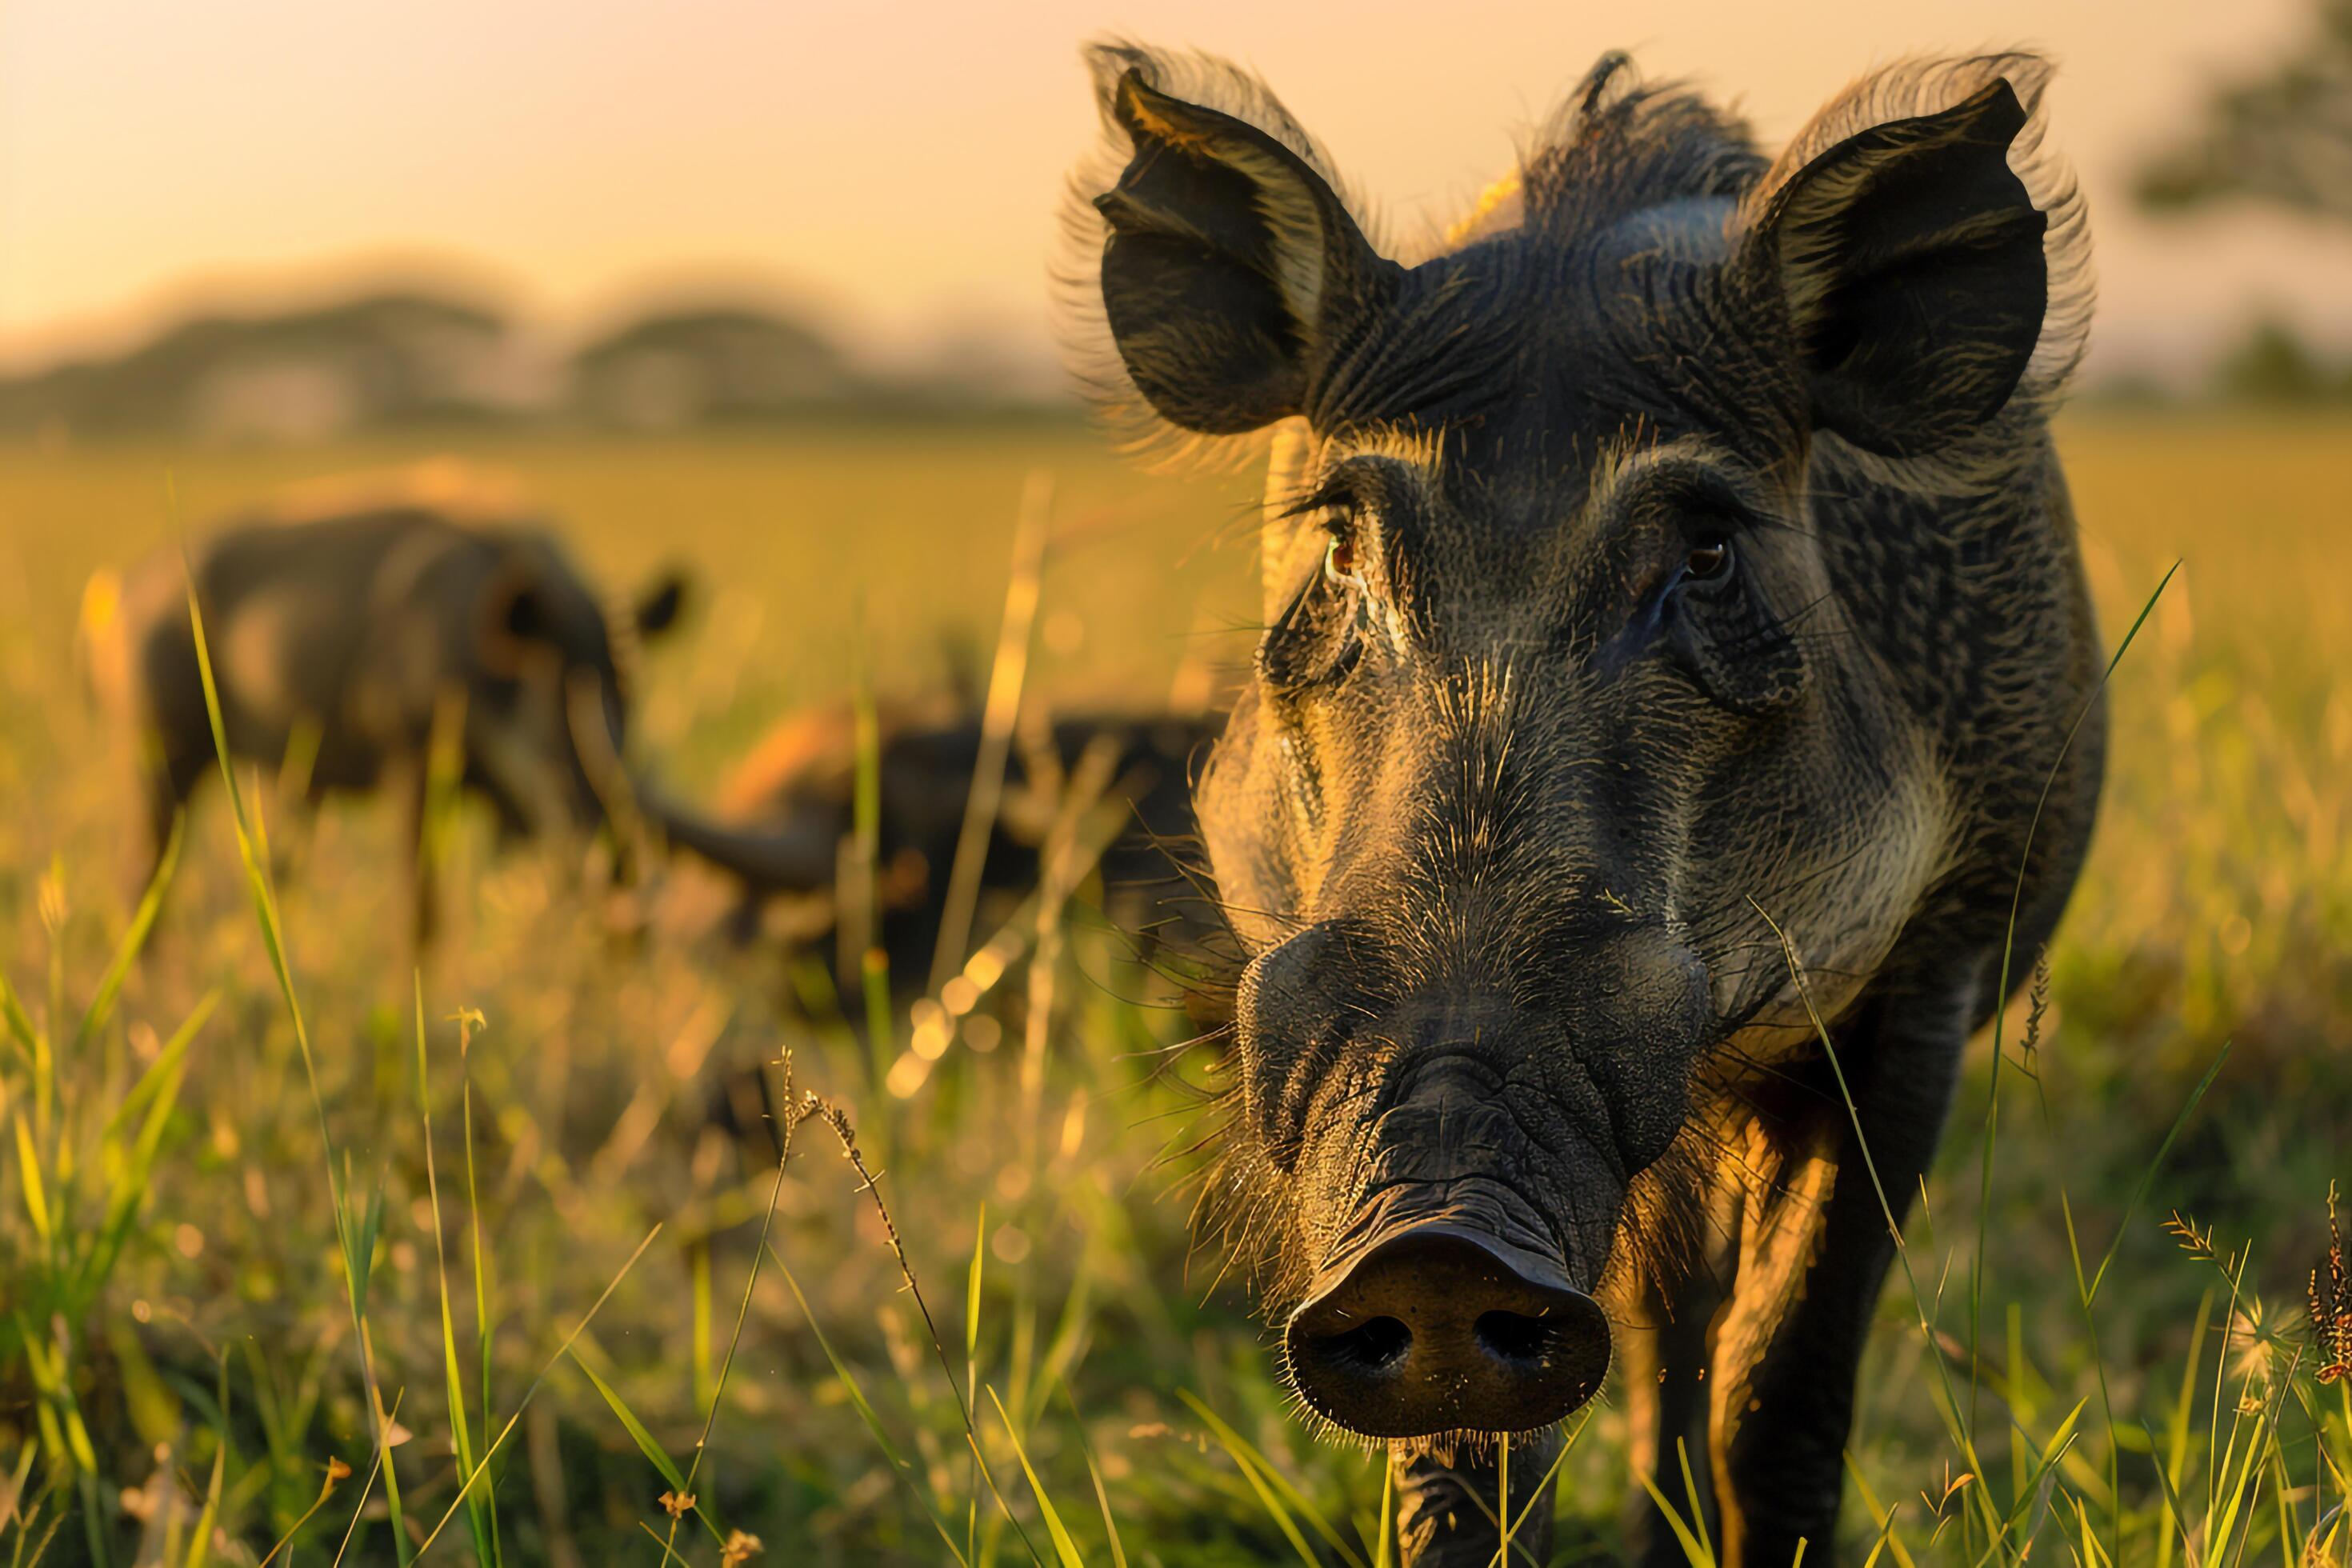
{"x": 182, "y": 1356}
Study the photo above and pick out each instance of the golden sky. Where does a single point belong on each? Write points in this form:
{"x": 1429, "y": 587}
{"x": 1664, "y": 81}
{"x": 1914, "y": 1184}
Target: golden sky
{"x": 896, "y": 166}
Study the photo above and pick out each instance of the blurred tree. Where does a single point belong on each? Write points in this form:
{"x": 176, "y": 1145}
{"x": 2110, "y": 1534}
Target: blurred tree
{"x": 708, "y": 366}
{"x": 2284, "y": 137}
{"x": 2273, "y": 364}
{"x": 385, "y": 359}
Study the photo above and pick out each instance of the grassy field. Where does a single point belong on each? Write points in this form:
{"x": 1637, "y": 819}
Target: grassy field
{"x": 531, "y": 1233}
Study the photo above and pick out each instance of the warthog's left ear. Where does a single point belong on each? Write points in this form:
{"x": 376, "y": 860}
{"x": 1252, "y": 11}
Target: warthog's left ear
{"x": 1911, "y": 255}
{"x": 660, "y": 603}
{"x": 1230, "y": 264}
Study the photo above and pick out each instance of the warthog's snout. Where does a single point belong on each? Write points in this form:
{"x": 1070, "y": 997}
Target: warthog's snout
{"x": 1437, "y": 1327}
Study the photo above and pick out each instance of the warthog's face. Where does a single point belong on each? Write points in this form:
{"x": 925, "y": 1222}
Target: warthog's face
{"x": 546, "y": 722}
{"x": 1557, "y": 701}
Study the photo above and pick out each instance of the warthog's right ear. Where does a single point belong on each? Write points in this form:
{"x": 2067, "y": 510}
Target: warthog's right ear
{"x": 511, "y": 616}
{"x": 1229, "y": 264}
{"x": 1930, "y": 263}
{"x": 660, "y": 602}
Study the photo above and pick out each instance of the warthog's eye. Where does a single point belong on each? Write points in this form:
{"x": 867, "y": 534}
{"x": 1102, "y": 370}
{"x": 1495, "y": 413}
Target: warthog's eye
{"x": 1317, "y": 639}
{"x": 1709, "y": 561}
{"x": 1339, "y": 558}
{"x": 1727, "y": 633}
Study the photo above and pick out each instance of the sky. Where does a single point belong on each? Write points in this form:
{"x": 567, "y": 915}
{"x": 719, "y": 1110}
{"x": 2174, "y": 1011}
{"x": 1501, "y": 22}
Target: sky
{"x": 894, "y": 168}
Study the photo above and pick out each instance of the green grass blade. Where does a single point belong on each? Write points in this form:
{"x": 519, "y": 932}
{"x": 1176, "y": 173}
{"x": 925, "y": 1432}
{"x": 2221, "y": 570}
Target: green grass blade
{"x": 2173, "y": 1467}
{"x": 1962, "y": 1439}
{"x": 1519, "y": 1519}
{"x": 126, "y": 952}
{"x": 971, "y": 1289}
{"x": 531, "y": 1392}
{"x": 2051, "y": 1454}
{"x": 484, "y": 1324}
{"x": 2171, "y": 1504}
{"x": 18, "y": 1021}
{"x": 669, "y": 1552}
{"x": 461, "y": 1437}
{"x": 1696, "y": 1551}
{"x": 653, "y": 1451}
{"x": 865, "y": 1413}
{"x": 2147, "y": 1176}
{"x": 150, "y": 1081}
{"x": 1245, "y": 1459}
{"x": 159, "y": 1088}
{"x": 264, "y": 907}
{"x": 200, "y": 1543}
{"x": 2008, "y": 957}
{"x": 1255, "y": 1464}
{"x": 1880, "y": 1514}
{"x": 1690, "y": 1493}
{"x": 1093, "y": 1474}
{"x": 1063, "y": 1548}
{"x": 36, "y": 1200}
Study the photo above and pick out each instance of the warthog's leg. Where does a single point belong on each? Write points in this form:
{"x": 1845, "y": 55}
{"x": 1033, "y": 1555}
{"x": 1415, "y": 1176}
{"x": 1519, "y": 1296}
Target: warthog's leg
{"x": 1450, "y": 1515}
{"x": 1814, "y": 1250}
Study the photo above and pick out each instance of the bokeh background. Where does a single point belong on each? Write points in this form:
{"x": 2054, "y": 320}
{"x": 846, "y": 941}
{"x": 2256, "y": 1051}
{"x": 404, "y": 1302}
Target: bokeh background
{"x": 762, "y": 290}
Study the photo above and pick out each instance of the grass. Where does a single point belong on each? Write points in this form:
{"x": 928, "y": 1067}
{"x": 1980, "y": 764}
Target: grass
{"x": 242, "y": 1311}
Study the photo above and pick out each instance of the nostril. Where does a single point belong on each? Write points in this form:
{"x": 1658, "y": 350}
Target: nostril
{"x": 1371, "y": 1347}
{"x": 1513, "y": 1336}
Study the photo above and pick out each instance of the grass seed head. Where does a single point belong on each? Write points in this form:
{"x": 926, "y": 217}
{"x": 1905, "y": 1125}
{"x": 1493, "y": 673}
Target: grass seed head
{"x": 2331, "y": 1304}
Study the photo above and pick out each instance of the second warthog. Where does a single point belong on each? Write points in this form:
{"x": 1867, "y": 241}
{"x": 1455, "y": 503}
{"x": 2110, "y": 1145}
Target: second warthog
{"x": 784, "y": 817}
{"x": 344, "y": 621}
{"x": 1674, "y": 562}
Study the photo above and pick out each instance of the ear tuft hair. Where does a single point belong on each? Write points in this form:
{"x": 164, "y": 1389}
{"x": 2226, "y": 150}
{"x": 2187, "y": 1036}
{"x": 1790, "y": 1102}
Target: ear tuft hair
{"x": 1083, "y": 325}
{"x": 1915, "y": 88}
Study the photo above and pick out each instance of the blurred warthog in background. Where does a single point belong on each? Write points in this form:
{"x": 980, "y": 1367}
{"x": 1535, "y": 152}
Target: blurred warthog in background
{"x": 784, "y": 817}
{"x": 349, "y": 621}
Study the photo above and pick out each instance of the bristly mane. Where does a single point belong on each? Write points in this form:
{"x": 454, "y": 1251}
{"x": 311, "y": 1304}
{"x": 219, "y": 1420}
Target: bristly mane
{"x": 1615, "y": 146}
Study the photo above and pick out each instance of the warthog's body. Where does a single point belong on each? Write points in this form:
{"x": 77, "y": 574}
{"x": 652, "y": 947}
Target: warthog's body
{"x": 782, "y": 815}
{"x": 337, "y": 629}
{"x": 1678, "y": 556}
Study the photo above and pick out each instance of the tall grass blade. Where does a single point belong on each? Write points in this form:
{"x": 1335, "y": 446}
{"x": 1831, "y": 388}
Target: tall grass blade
{"x": 200, "y": 1542}
{"x": 1006, "y": 676}
{"x": 655, "y": 1454}
{"x": 2008, "y": 958}
{"x": 1883, "y": 1515}
{"x": 865, "y": 1413}
{"x": 1540, "y": 1494}
{"x": 265, "y": 906}
{"x": 1240, "y": 1454}
{"x": 531, "y": 1392}
{"x": 158, "y": 1090}
{"x": 1093, "y": 1474}
{"x": 1252, "y": 1461}
{"x": 477, "y": 1517}
{"x": 2156, "y": 1163}
{"x": 126, "y": 952}
{"x": 1962, "y": 1437}
{"x": 1064, "y": 1547}
{"x": 37, "y": 1199}
{"x": 1696, "y": 1551}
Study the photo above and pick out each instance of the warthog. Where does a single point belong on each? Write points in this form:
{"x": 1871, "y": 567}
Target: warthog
{"x": 783, "y": 814}
{"x": 338, "y": 624}
{"x": 1674, "y": 559}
